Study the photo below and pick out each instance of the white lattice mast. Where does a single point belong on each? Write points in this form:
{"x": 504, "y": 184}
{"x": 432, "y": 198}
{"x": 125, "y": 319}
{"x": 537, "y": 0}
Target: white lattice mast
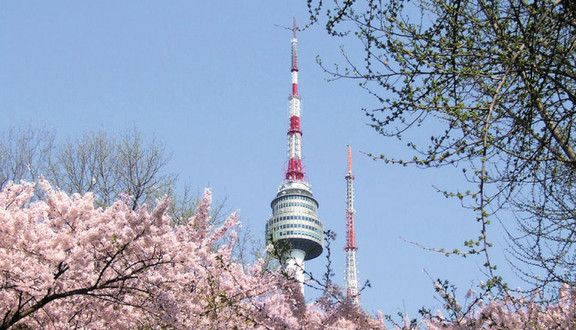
{"x": 351, "y": 248}
{"x": 294, "y": 224}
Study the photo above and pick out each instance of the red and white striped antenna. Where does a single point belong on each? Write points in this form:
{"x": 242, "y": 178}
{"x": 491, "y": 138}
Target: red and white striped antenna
{"x": 350, "y": 236}
{"x": 351, "y": 248}
{"x": 294, "y": 171}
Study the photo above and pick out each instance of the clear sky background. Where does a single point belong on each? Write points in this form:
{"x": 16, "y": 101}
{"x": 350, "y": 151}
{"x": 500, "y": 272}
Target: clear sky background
{"x": 211, "y": 80}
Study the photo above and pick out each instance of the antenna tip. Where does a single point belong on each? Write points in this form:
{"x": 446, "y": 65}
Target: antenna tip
{"x": 349, "y": 159}
{"x": 294, "y": 26}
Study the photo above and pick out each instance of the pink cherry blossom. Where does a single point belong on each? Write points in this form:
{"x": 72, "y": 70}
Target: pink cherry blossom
{"x": 516, "y": 312}
{"x": 65, "y": 263}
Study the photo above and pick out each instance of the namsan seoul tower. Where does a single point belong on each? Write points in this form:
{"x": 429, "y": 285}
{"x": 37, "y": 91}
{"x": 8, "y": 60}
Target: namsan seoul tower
{"x": 294, "y": 224}
{"x": 350, "y": 248}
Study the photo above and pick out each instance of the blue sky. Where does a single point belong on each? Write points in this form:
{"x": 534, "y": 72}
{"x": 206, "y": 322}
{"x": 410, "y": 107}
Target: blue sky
{"x": 211, "y": 80}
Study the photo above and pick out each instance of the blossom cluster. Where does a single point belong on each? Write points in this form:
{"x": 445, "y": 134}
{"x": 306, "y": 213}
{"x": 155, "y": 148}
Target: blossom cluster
{"x": 66, "y": 263}
{"x": 515, "y": 312}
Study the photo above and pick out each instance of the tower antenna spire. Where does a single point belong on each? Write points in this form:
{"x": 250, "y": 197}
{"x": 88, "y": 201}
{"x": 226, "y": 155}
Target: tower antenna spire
{"x": 294, "y": 170}
{"x": 351, "y": 248}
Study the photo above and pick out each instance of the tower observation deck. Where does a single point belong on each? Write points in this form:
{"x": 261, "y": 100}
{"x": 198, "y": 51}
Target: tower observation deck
{"x": 294, "y": 222}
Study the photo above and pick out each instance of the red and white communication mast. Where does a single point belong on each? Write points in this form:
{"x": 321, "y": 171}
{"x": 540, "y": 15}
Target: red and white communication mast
{"x": 351, "y": 248}
{"x": 294, "y": 170}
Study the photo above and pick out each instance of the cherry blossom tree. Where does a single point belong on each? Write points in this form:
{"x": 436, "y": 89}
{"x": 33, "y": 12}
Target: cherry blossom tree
{"x": 510, "y": 313}
{"x": 66, "y": 263}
